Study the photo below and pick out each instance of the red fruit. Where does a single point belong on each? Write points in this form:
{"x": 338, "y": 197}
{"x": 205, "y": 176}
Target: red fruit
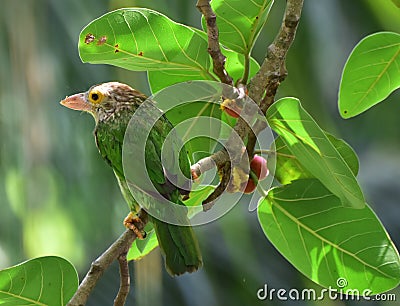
{"x": 250, "y": 187}
{"x": 231, "y": 108}
{"x": 258, "y": 165}
{"x": 231, "y": 112}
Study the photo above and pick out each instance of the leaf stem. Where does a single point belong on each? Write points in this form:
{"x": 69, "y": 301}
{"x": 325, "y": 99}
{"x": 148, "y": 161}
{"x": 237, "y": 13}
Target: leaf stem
{"x": 246, "y": 71}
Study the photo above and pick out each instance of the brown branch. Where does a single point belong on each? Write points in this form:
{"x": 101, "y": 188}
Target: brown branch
{"x": 124, "y": 285}
{"x": 262, "y": 87}
{"x": 97, "y": 268}
{"x": 213, "y": 41}
{"x": 273, "y": 71}
{"x": 225, "y": 171}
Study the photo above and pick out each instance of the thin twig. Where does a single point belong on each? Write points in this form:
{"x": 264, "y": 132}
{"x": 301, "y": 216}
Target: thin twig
{"x": 213, "y": 41}
{"x": 124, "y": 285}
{"x": 98, "y": 267}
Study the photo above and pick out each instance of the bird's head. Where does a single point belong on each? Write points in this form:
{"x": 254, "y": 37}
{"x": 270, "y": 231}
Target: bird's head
{"x": 103, "y": 99}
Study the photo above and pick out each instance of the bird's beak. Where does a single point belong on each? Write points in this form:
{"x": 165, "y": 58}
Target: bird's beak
{"x": 77, "y": 102}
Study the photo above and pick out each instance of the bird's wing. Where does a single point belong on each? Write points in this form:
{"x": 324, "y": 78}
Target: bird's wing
{"x": 109, "y": 141}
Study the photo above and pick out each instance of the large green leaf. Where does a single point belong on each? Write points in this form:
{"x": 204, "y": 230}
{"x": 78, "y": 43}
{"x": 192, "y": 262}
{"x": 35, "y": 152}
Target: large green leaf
{"x": 288, "y": 168}
{"x": 331, "y": 244}
{"x": 240, "y": 22}
{"x": 144, "y": 40}
{"x": 312, "y": 148}
{"x": 41, "y": 281}
{"x": 234, "y": 65}
{"x": 371, "y": 73}
{"x": 197, "y": 118}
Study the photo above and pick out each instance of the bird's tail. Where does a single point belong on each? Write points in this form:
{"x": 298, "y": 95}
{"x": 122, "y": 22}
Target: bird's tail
{"x": 179, "y": 246}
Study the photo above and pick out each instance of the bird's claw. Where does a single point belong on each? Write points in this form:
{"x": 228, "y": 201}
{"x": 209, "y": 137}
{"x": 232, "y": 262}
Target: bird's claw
{"x": 134, "y": 223}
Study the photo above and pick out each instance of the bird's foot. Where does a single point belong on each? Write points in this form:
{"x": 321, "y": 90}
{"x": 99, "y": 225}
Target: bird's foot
{"x": 135, "y": 223}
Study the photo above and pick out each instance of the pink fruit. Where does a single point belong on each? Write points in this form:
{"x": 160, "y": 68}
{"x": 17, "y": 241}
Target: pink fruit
{"x": 258, "y": 165}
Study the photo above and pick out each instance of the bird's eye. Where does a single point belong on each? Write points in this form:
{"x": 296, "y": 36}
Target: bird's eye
{"x": 95, "y": 96}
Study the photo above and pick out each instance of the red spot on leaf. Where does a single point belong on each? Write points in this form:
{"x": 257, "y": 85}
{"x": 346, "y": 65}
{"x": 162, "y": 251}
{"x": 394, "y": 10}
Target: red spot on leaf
{"x": 116, "y": 48}
{"x": 140, "y": 53}
{"x": 89, "y": 38}
{"x": 102, "y": 40}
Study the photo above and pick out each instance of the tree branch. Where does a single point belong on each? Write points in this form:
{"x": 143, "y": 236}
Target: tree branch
{"x": 273, "y": 71}
{"x": 213, "y": 41}
{"x": 262, "y": 87}
{"x": 97, "y": 268}
{"x": 124, "y": 285}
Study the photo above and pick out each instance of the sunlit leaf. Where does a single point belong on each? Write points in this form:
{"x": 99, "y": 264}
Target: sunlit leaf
{"x": 328, "y": 242}
{"x": 312, "y": 148}
{"x": 234, "y": 65}
{"x": 288, "y": 168}
{"x": 371, "y": 73}
{"x": 240, "y": 22}
{"x": 142, "y": 247}
{"x": 41, "y": 281}
{"x": 197, "y": 196}
{"x": 197, "y": 118}
{"x": 144, "y": 40}
{"x": 194, "y": 110}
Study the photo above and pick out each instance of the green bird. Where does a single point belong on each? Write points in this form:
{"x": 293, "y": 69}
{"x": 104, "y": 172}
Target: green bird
{"x": 112, "y": 105}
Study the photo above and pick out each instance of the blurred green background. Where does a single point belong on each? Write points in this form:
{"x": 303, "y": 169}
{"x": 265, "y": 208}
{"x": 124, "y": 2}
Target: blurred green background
{"x": 58, "y": 197}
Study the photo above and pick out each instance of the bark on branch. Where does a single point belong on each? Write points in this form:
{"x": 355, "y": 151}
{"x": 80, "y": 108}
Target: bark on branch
{"x": 97, "y": 268}
{"x": 213, "y": 41}
{"x": 273, "y": 70}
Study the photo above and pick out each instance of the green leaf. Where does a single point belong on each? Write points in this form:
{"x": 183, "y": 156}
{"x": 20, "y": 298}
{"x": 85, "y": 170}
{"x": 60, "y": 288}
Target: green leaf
{"x": 326, "y": 241}
{"x": 240, "y": 22}
{"x": 144, "y": 40}
{"x": 396, "y": 2}
{"x": 234, "y": 65}
{"x": 312, "y": 148}
{"x": 288, "y": 168}
{"x": 198, "y": 194}
{"x": 347, "y": 153}
{"x": 196, "y": 118}
{"x": 371, "y": 73}
{"x": 47, "y": 280}
{"x": 142, "y": 247}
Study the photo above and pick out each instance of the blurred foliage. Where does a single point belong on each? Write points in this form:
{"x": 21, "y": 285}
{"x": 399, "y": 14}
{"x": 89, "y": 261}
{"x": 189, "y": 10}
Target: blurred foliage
{"x": 57, "y": 197}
